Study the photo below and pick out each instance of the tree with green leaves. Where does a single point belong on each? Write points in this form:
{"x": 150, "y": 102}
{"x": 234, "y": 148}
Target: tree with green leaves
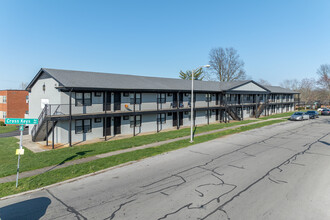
{"x": 198, "y": 74}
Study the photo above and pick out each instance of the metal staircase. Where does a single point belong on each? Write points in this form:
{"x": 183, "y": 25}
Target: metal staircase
{"x": 39, "y": 131}
{"x": 232, "y": 111}
{"x": 260, "y": 108}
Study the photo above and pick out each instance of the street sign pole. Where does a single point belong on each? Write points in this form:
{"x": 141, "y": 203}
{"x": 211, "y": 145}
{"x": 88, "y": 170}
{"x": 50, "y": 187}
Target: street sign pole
{"x": 21, "y": 122}
{"x": 19, "y": 155}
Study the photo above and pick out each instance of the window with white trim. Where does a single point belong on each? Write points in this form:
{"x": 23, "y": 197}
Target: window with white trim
{"x": 3, "y": 114}
{"x": 3, "y": 99}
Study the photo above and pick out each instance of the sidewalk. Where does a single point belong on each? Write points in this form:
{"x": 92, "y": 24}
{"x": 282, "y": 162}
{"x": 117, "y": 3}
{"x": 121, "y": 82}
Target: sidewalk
{"x": 91, "y": 158}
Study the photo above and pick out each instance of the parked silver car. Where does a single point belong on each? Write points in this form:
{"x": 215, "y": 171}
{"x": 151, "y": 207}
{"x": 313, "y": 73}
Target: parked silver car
{"x": 299, "y": 116}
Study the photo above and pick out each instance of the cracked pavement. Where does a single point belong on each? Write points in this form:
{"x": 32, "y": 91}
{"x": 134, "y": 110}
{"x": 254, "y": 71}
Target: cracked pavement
{"x": 276, "y": 172}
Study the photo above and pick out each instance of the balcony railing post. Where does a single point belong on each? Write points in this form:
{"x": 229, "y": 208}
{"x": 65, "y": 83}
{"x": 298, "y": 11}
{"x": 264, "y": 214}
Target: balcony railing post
{"x": 70, "y": 121}
{"x": 47, "y": 133}
{"x": 105, "y": 118}
{"x": 157, "y": 102}
{"x": 134, "y": 106}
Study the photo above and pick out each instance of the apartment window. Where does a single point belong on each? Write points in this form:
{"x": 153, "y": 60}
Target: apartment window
{"x": 261, "y": 97}
{"x": 83, "y": 126}
{"x": 208, "y": 97}
{"x": 126, "y": 94}
{"x": 137, "y": 98}
{"x": 83, "y": 99}
{"x": 169, "y": 114}
{"x": 27, "y": 99}
{"x": 131, "y": 120}
{"x": 248, "y": 98}
{"x": 161, "y": 98}
{"x": 26, "y": 112}
{"x": 137, "y": 121}
{"x": 235, "y": 97}
{"x": 161, "y": 118}
{"x": 3, "y": 114}
{"x": 3, "y": 99}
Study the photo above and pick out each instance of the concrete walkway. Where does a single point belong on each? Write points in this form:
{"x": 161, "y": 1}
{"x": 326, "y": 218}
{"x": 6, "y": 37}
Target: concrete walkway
{"x": 91, "y": 158}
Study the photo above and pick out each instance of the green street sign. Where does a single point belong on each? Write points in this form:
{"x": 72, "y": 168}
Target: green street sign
{"x": 21, "y": 121}
{"x": 21, "y": 128}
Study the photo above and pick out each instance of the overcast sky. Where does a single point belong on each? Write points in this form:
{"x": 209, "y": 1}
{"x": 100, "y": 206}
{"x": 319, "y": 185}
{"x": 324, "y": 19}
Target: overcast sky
{"x": 276, "y": 39}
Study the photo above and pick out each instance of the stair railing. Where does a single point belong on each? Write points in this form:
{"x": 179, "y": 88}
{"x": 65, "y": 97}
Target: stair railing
{"x": 41, "y": 119}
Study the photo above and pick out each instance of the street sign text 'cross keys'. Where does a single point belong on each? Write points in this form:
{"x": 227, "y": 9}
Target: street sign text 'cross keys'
{"x": 21, "y": 121}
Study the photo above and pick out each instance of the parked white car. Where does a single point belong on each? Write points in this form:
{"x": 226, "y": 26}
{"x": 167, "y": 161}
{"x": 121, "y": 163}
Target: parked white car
{"x": 299, "y": 116}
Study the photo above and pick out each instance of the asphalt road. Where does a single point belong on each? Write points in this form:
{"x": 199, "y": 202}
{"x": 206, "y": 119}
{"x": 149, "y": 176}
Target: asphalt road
{"x": 15, "y": 133}
{"x": 276, "y": 172}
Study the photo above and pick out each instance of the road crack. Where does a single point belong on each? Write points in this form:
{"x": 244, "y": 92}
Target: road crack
{"x": 70, "y": 209}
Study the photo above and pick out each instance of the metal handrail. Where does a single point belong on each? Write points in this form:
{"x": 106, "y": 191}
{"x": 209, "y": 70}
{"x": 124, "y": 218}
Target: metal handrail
{"x": 46, "y": 111}
{"x": 41, "y": 118}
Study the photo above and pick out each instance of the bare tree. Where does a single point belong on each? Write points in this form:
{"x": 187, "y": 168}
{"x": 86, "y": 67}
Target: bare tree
{"x": 226, "y": 64}
{"x": 292, "y": 84}
{"x": 307, "y": 89}
{"x": 324, "y": 76}
{"x": 322, "y": 95}
{"x": 264, "y": 82}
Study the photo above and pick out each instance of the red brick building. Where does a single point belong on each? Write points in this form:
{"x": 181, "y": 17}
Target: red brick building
{"x": 13, "y": 104}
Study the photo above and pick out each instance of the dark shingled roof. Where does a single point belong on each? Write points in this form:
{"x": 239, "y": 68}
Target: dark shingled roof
{"x": 278, "y": 89}
{"x": 96, "y": 80}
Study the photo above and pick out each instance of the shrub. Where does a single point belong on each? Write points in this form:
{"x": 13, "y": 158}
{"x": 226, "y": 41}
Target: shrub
{"x": 2, "y": 123}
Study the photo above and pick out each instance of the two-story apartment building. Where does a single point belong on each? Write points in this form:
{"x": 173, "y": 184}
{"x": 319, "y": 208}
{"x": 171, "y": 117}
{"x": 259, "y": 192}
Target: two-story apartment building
{"x": 13, "y": 104}
{"x": 74, "y": 106}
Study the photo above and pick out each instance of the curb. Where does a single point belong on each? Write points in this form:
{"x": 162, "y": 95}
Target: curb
{"x": 68, "y": 181}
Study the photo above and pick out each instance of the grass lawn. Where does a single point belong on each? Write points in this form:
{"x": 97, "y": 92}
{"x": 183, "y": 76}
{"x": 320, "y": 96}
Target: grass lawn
{"x": 6, "y": 129}
{"x": 286, "y": 114}
{"x": 31, "y": 161}
{"x": 62, "y": 174}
